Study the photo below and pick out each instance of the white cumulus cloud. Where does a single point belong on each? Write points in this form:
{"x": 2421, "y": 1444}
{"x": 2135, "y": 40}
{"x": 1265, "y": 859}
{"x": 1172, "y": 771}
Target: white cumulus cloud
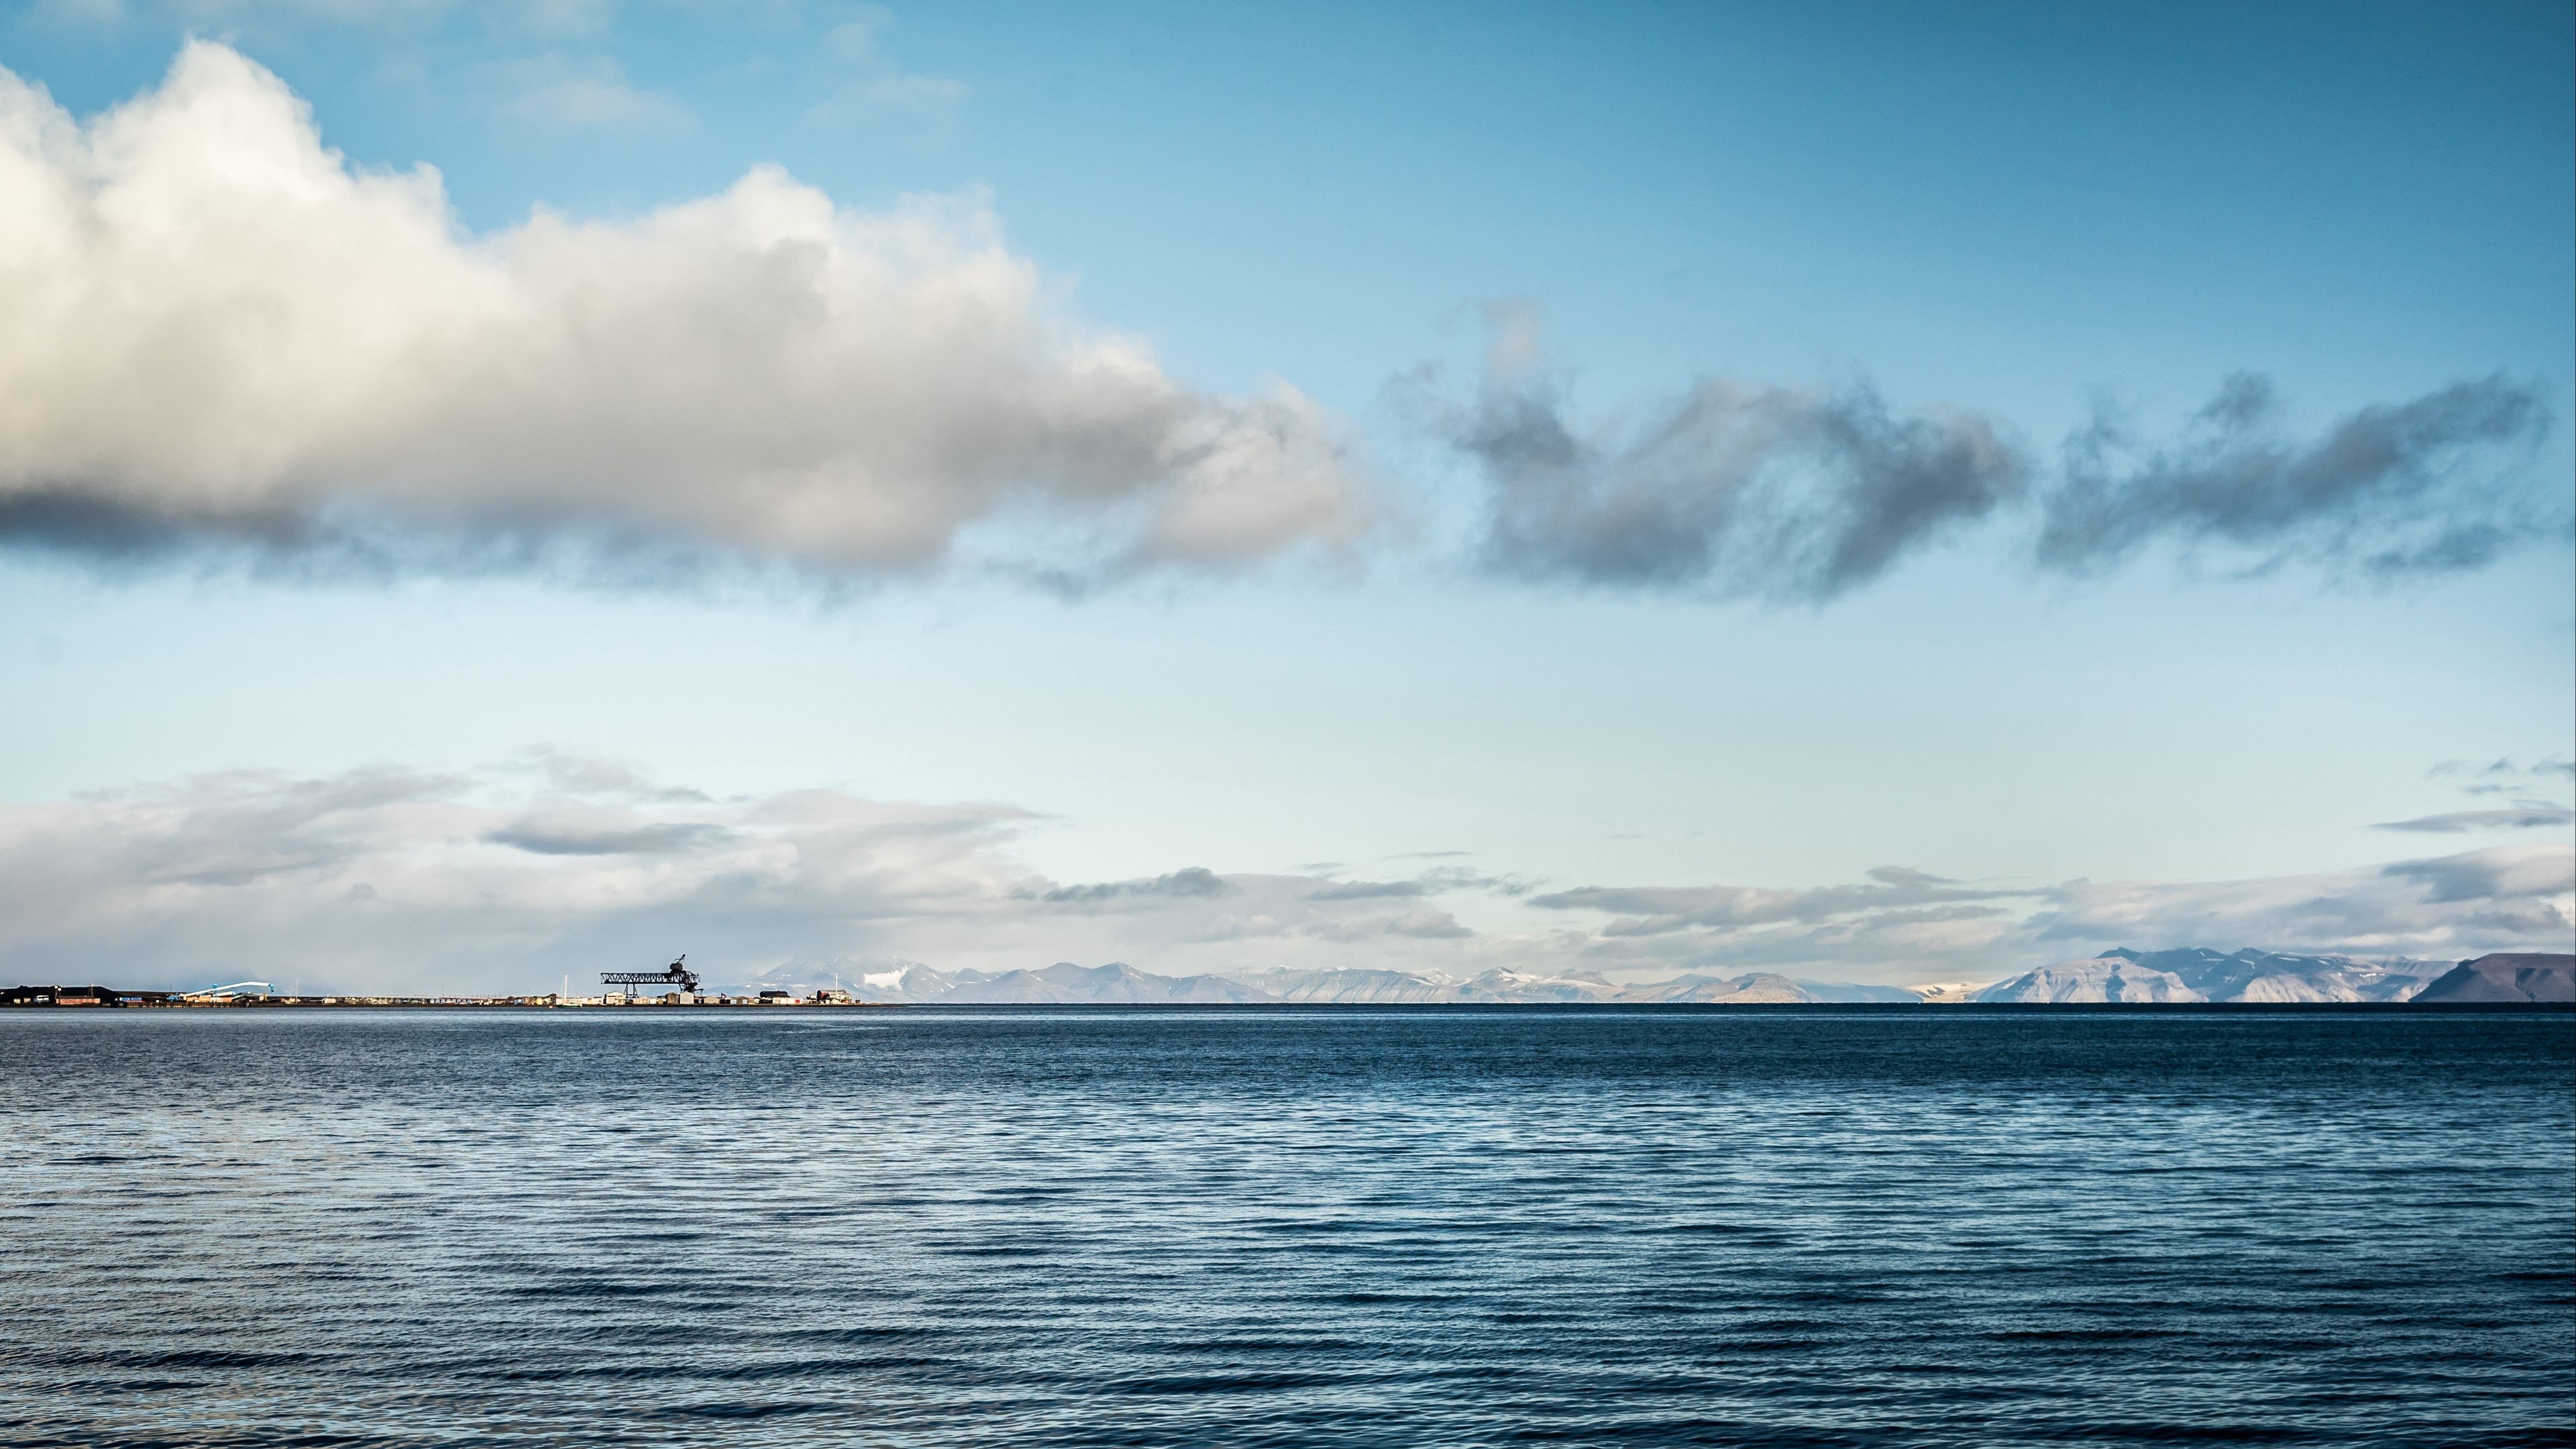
{"x": 215, "y": 330}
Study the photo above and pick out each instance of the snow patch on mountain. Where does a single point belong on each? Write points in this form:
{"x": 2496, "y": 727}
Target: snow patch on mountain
{"x": 2089, "y": 981}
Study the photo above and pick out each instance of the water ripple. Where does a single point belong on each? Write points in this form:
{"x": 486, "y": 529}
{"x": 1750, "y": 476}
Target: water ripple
{"x": 1936, "y": 1228}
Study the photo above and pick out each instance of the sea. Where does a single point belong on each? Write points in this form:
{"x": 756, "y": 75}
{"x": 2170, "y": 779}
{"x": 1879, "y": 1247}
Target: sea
{"x": 1854, "y": 1226}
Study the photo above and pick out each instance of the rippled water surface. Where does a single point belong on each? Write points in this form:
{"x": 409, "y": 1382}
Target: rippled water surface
{"x": 1327, "y": 1228}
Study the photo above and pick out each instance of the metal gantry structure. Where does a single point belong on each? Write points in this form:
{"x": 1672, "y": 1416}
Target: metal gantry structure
{"x": 676, "y": 974}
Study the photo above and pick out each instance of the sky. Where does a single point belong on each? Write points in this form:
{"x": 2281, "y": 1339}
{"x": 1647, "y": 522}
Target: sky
{"x": 491, "y": 493}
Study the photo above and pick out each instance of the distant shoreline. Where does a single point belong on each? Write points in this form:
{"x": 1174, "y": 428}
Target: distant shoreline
{"x": 1301, "y": 1008}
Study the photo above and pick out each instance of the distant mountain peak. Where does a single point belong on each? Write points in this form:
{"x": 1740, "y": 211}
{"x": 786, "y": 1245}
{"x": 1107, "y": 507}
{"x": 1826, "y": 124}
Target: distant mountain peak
{"x": 2200, "y": 973}
{"x": 2506, "y": 977}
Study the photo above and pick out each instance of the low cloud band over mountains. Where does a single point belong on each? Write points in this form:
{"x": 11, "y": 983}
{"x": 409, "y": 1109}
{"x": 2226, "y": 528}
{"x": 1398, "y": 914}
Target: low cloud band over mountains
{"x": 552, "y": 866}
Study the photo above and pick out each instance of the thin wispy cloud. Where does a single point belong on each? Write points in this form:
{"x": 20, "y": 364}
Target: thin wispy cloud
{"x": 593, "y": 97}
{"x": 1659, "y": 910}
{"x": 552, "y": 19}
{"x": 1192, "y": 881}
{"x": 865, "y": 81}
{"x": 1439, "y": 880}
{"x": 2505, "y": 776}
{"x": 2453, "y": 822}
{"x": 2505, "y": 897}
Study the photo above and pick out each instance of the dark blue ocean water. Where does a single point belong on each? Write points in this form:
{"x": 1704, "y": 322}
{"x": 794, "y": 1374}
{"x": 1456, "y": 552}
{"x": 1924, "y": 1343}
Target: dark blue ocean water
{"x": 1332, "y": 1228}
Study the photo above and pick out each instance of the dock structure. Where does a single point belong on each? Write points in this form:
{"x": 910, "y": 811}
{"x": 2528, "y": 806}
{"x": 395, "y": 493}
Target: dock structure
{"x": 677, "y": 974}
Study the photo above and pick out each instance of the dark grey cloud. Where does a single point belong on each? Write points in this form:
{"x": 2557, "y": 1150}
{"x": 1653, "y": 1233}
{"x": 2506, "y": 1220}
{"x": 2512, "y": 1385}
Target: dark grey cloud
{"x": 2454, "y": 769}
{"x": 1753, "y": 489}
{"x": 1660, "y": 910}
{"x": 2506, "y": 777}
{"x": 2394, "y": 488}
{"x": 1743, "y": 490}
{"x": 2529, "y": 817}
{"x": 1191, "y": 881}
{"x": 669, "y": 838}
{"x": 70, "y": 520}
{"x": 597, "y": 776}
{"x": 1430, "y": 882}
{"x": 1367, "y": 890}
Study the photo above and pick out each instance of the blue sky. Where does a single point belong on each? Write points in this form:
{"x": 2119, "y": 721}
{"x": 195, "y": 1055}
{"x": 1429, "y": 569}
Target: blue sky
{"x": 1405, "y": 633}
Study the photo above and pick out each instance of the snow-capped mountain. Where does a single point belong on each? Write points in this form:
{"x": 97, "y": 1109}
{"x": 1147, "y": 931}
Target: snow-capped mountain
{"x": 1846, "y": 991}
{"x": 2201, "y": 974}
{"x": 1354, "y": 987}
{"x": 1756, "y": 988}
{"x": 2192, "y": 974}
{"x": 2107, "y": 978}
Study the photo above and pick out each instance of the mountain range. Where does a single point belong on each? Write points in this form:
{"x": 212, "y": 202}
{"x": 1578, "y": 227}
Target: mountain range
{"x": 2201, "y": 974}
{"x": 1119, "y": 984}
{"x": 2195, "y": 974}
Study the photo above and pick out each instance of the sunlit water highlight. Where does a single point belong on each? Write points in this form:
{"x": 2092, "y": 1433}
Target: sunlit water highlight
{"x": 1329, "y": 1228}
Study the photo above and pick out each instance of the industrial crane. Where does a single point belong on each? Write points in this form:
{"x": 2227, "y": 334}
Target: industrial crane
{"x": 676, "y": 974}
